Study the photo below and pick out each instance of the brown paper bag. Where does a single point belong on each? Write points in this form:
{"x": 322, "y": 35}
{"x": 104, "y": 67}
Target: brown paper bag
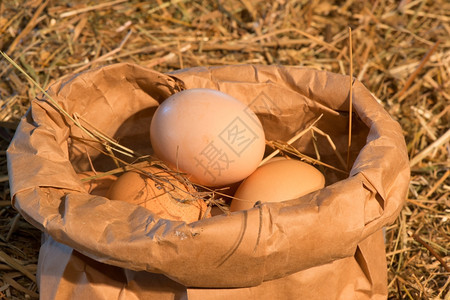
{"x": 327, "y": 244}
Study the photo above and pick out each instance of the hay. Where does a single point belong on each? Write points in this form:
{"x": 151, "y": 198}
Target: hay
{"x": 400, "y": 52}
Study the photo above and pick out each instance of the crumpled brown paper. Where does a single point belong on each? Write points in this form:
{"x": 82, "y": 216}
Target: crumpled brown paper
{"x": 325, "y": 245}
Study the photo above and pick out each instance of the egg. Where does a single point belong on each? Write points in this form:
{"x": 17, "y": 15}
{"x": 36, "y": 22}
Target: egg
{"x": 165, "y": 196}
{"x": 210, "y": 136}
{"x": 276, "y": 181}
{"x": 99, "y": 184}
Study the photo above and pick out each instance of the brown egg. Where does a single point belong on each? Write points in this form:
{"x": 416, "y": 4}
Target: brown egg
{"x": 212, "y": 137}
{"x": 276, "y": 181}
{"x": 168, "y": 198}
{"x": 99, "y": 185}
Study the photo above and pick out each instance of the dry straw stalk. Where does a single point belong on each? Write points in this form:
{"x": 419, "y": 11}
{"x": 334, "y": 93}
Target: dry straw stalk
{"x": 400, "y": 53}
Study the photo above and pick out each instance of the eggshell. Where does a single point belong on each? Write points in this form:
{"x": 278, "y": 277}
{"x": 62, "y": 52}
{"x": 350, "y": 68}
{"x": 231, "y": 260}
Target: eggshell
{"x": 97, "y": 186}
{"x": 170, "y": 200}
{"x": 276, "y": 181}
{"x": 212, "y": 137}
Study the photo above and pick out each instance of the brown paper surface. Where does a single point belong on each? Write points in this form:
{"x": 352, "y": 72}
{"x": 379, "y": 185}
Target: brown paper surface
{"x": 325, "y": 243}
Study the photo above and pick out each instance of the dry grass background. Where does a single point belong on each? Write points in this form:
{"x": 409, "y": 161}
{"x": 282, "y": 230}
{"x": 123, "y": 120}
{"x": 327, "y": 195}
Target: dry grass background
{"x": 400, "y": 52}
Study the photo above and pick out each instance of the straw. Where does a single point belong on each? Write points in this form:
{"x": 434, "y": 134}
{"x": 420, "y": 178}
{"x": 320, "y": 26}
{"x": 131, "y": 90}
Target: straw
{"x": 400, "y": 53}
{"x": 350, "y": 97}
